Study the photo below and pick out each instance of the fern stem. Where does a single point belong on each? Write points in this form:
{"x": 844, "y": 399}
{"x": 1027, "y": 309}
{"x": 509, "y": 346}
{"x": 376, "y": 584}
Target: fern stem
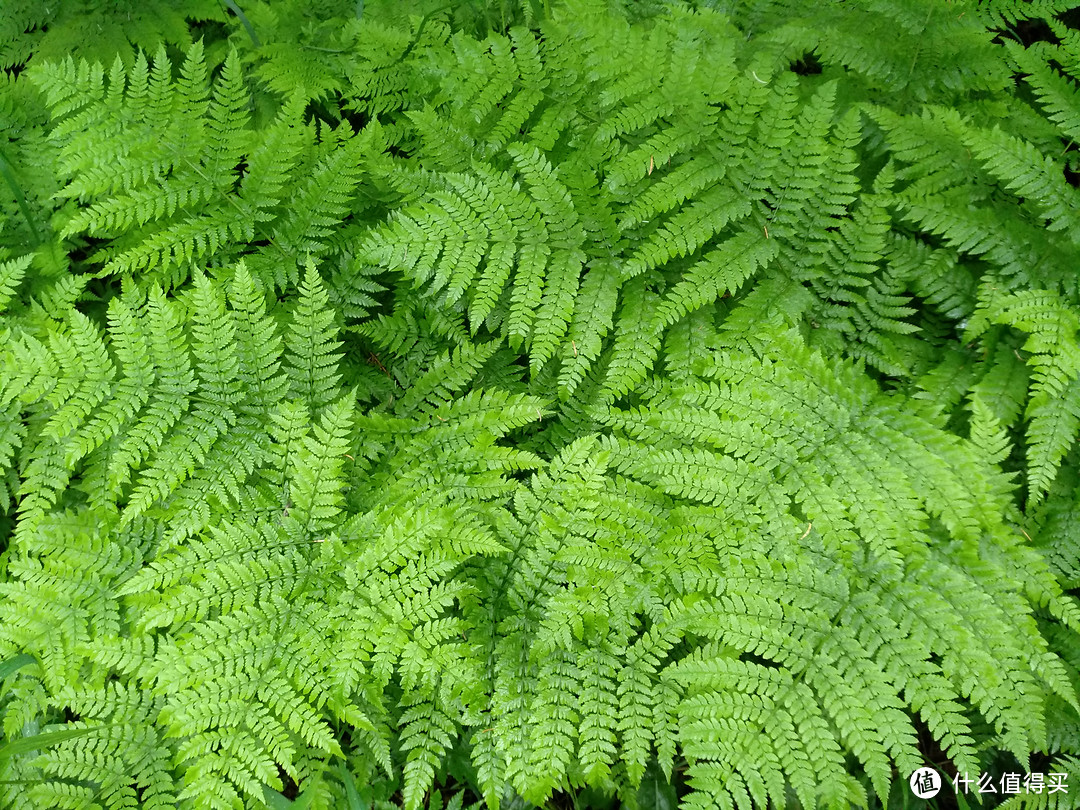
{"x": 235, "y": 9}
{"x": 9, "y": 177}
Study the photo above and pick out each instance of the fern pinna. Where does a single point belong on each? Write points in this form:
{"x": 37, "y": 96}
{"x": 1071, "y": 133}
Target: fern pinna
{"x": 528, "y": 404}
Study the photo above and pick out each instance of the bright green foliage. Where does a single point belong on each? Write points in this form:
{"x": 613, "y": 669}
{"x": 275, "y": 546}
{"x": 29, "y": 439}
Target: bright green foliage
{"x": 93, "y": 27}
{"x": 181, "y": 195}
{"x": 524, "y": 404}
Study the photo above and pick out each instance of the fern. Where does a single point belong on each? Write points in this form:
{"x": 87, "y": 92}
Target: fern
{"x": 524, "y": 404}
{"x": 1053, "y": 406}
{"x": 182, "y": 197}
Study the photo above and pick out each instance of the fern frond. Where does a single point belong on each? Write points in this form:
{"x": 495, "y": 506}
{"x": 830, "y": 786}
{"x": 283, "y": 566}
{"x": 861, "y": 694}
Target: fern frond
{"x": 12, "y": 273}
{"x": 1029, "y": 174}
{"x": 311, "y": 346}
{"x": 1057, "y": 94}
{"x": 663, "y": 401}
{"x": 1053, "y": 409}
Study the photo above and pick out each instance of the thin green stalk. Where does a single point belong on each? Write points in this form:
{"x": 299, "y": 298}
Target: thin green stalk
{"x": 9, "y": 176}
{"x": 235, "y": 9}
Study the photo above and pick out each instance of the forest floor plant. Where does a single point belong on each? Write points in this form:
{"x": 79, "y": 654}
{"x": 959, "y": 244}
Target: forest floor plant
{"x": 560, "y": 403}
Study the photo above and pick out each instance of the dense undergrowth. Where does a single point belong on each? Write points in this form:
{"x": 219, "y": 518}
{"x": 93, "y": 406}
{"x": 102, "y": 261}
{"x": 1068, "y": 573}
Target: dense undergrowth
{"x": 569, "y": 404}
